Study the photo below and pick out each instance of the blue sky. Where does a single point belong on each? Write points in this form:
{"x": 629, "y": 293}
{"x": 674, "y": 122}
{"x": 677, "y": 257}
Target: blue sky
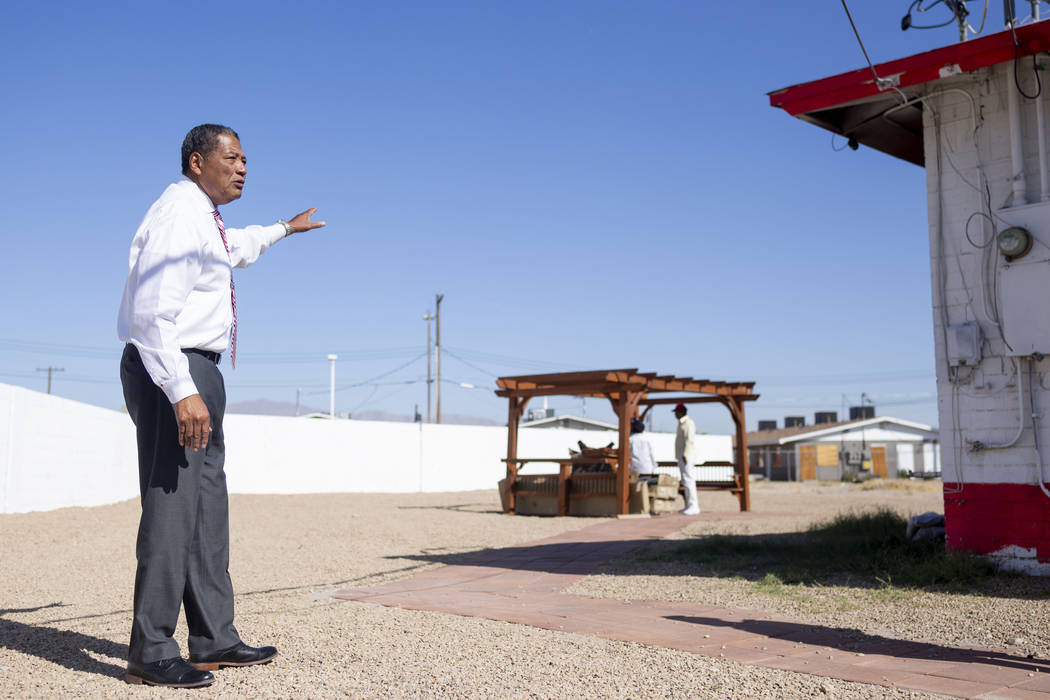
{"x": 590, "y": 184}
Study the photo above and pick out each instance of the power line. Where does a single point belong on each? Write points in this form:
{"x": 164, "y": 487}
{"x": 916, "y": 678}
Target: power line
{"x": 469, "y": 364}
{"x": 508, "y": 361}
{"x": 370, "y": 381}
{"x": 880, "y": 83}
{"x": 257, "y": 358}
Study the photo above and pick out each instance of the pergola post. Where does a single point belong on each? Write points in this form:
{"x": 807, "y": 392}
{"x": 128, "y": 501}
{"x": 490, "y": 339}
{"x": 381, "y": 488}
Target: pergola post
{"x": 737, "y": 409}
{"x": 623, "y": 457}
{"x": 516, "y": 406}
{"x": 626, "y": 409}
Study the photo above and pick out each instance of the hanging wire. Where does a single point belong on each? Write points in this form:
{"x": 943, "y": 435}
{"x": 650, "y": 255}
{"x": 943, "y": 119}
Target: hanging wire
{"x": 1035, "y": 68}
{"x": 878, "y": 81}
{"x": 468, "y": 364}
{"x": 984, "y": 16}
{"x": 991, "y": 236}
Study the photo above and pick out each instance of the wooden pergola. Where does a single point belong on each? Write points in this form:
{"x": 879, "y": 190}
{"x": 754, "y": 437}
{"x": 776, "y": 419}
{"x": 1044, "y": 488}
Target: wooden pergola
{"x": 627, "y": 390}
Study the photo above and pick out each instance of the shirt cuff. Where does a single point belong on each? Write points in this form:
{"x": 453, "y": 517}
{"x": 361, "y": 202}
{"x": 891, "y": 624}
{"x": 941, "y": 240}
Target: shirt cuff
{"x": 179, "y": 389}
{"x": 274, "y": 233}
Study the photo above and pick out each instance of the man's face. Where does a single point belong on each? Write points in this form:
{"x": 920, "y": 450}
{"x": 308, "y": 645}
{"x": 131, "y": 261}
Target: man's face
{"x": 221, "y": 173}
{"x": 679, "y": 413}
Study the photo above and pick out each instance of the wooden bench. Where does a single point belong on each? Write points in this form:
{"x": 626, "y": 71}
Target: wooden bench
{"x": 565, "y": 485}
{"x": 733, "y": 484}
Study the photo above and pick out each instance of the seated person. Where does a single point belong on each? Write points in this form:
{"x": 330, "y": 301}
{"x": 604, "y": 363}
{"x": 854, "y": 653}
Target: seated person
{"x": 643, "y": 464}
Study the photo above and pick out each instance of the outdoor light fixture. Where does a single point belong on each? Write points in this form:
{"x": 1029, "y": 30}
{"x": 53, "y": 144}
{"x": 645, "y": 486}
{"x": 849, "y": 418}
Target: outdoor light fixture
{"x": 1014, "y": 242}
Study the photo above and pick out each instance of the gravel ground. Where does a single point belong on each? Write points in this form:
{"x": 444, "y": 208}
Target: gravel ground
{"x": 67, "y": 577}
{"x": 1012, "y": 613}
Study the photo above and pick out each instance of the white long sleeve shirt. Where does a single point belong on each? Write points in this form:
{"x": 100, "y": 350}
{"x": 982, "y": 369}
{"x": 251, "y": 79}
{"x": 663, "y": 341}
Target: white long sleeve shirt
{"x": 642, "y": 460}
{"x": 684, "y": 440}
{"x": 177, "y": 294}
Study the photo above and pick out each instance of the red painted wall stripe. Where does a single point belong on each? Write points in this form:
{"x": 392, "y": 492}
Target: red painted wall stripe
{"x": 985, "y": 518}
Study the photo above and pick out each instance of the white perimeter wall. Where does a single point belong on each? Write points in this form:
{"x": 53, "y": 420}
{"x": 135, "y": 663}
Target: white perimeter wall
{"x": 56, "y": 453}
{"x": 983, "y": 405}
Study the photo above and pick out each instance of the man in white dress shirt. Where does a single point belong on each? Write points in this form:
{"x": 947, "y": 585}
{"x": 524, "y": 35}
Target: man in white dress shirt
{"x": 643, "y": 463}
{"x": 685, "y": 453}
{"x": 177, "y": 316}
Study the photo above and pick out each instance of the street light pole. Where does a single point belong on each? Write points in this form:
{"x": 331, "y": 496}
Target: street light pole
{"x": 437, "y": 352}
{"x": 331, "y": 388}
{"x": 428, "y": 317}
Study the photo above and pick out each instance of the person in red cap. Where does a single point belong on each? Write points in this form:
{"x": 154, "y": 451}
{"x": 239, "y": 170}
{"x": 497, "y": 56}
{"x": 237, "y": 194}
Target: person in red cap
{"x": 685, "y": 453}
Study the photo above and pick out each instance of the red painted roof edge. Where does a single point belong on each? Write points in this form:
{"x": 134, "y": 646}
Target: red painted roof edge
{"x": 926, "y": 67}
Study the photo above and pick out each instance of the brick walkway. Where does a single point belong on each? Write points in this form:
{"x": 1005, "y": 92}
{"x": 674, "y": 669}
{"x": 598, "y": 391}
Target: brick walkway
{"x": 523, "y": 585}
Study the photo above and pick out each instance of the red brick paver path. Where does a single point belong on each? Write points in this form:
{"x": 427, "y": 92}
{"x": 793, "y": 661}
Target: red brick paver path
{"x": 523, "y": 585}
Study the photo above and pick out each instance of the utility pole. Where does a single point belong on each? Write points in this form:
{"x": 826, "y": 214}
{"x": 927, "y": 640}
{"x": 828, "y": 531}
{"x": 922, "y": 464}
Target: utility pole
{"x": 331, "y": 388}
{"x": 49, "y": 370}
{"x": 428, "y": 317}
{"x": 298, "y": 395}
{"x": 437, "y": 352}
{"x": 863, "y": 442}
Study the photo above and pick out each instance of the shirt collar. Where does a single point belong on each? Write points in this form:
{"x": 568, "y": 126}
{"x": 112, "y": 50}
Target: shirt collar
{"x": 196, "y": 194}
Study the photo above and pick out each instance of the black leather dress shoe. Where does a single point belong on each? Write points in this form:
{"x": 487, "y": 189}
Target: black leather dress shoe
{"x": 238, "y": 655}
{"x": 169, "y": 673}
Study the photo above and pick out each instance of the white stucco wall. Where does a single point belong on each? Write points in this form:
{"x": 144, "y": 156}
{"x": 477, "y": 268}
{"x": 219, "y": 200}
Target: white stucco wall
{"x": 985, "y": 399}
{"x": 56, "y": 453}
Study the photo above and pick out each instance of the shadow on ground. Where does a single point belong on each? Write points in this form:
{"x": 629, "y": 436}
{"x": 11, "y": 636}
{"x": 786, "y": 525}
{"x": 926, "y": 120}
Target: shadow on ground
{"x": 459, "y": 507}
{"x": 561, "y": 558}
{"x": 784, "y": 558}
{"x": 857, "y": 642}
{"x": 63, "y": 647}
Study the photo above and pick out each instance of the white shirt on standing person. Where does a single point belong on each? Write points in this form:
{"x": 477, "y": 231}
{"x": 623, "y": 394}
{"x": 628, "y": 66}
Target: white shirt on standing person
{"x": 642, "y": 460}
{"x": 177, "y": 293}
{"x": 685, "y": 452}
{"x": 684, "y": 439}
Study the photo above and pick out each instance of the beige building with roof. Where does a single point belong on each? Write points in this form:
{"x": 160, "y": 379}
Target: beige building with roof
{"x": 880, "y": 446}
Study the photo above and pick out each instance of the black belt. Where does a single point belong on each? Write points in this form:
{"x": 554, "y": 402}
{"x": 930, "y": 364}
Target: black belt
{"x": 207, "y": 354}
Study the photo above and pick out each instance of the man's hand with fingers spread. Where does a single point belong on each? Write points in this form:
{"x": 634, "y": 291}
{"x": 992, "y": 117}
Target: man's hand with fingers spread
{"x": 301, "y": 222}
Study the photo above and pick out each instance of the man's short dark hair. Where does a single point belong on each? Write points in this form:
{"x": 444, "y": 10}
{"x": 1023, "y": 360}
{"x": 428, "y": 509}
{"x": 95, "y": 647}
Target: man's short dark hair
{"x": 203, "y": 139}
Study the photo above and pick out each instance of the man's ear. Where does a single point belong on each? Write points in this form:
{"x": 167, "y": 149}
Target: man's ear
{"x": 195, "y": 162}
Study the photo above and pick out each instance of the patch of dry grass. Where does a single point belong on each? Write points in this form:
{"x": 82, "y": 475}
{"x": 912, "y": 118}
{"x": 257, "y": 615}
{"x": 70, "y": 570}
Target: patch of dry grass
{"x": 906, "y": 485}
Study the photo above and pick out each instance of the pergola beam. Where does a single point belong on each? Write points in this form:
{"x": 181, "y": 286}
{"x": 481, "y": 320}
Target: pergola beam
{"x": 694, "y": 399}
{"x": 603, "y": 389}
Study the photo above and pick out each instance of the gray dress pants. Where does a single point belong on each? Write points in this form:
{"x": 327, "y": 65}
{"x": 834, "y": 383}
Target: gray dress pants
{"x": 183, "y": 546}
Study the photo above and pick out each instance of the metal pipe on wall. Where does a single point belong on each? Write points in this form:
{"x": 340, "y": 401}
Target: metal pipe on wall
{"x": 1040, "y": 121}
{"x": 1020, "y": 185}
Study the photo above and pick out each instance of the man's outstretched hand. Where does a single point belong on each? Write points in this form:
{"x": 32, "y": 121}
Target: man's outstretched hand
{"x": 301, "y": 222}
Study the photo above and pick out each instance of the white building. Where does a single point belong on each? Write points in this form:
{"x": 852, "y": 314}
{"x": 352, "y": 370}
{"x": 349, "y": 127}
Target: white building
{"x": 974, "y": 114}
{"x": 568, "y": 421}
{"x": 884, "y": 447}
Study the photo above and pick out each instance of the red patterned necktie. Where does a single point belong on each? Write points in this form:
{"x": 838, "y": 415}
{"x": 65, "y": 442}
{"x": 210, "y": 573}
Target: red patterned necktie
{"x": 233, "y": 293}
